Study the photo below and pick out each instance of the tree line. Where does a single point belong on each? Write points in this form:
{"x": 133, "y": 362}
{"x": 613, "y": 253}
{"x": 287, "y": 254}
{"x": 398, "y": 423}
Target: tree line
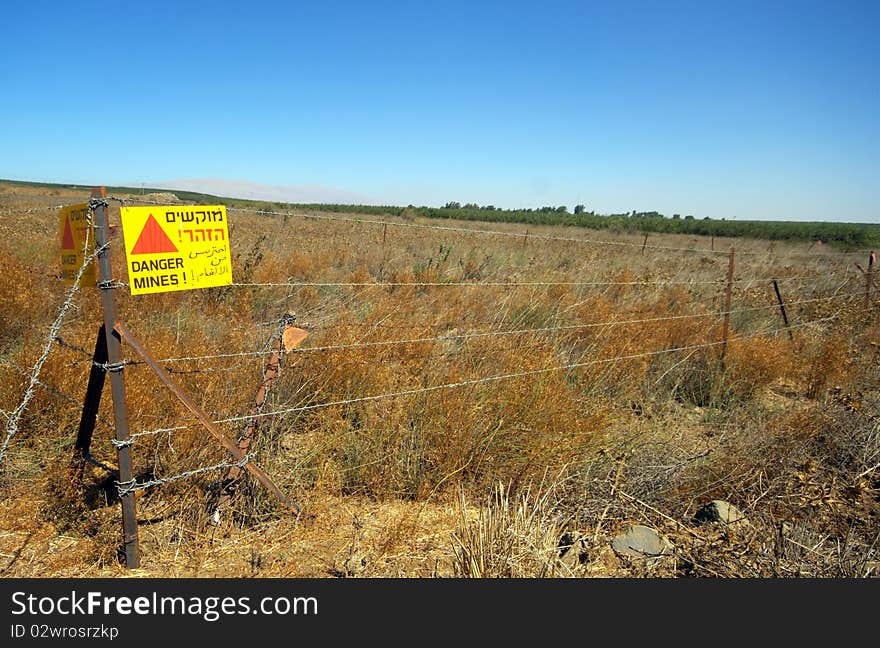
{"x": 843, "y": 235}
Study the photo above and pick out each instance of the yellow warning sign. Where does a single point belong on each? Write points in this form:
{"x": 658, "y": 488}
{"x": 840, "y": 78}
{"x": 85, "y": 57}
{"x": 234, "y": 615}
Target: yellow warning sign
{"x": 73, "y": 224}
{"x": 178, "y": 247}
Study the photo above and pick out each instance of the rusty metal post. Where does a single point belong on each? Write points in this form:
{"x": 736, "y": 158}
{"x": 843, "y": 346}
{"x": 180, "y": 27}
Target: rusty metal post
{"x": 727, "y": 295}
{"x": 384, "y": 234}
{"x": 117, "y": 384}
{"x": 868, "y": 279}
{"x": 712, "y": 244}
{"x": 782, "y": 310}
{"x": 644, "y": 243}
{"x": 270, "y": 372}
{"x": 289, "y": 337}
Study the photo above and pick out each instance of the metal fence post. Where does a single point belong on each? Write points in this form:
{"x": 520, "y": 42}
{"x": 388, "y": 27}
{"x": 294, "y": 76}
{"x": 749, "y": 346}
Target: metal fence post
{"x": 868, "y": 280}
{"x": 114, "y": 367}
{"x": 727, "y": 295}
{"x": 782, "y": 310}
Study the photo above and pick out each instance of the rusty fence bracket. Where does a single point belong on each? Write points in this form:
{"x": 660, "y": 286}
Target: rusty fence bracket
{"x": 204, "y": 419}
{"x": 289, "y": 337}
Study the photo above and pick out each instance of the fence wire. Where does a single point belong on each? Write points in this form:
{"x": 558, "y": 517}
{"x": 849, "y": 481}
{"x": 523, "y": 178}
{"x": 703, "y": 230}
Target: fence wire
{"x": 522, "y": 284}
{"x": 31, "y": 210}
{"x": 54, "y": 391}
{"x": 473, "y": 381}
{"x": 13, "y": 418}
{"x": 132, "y": 486}
{"x": 483, "y": 334}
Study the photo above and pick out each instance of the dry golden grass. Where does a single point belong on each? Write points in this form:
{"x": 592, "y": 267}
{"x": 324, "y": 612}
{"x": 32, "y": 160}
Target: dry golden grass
{"x": 381, "y": 480}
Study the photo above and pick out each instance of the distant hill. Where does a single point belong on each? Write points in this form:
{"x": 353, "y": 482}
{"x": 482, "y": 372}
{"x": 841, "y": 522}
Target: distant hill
{"x": 183, "y": 195}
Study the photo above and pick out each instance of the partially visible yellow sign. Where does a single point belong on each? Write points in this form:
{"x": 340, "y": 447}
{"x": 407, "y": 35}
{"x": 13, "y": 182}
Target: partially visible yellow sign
{"x": 176, "y": 247}
{"x": 73, "y": 224}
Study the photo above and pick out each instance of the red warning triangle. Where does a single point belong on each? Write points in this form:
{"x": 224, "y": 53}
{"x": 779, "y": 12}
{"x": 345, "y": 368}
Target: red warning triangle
{"x": 153, "y": 239}
{"x": 67, "y": 237}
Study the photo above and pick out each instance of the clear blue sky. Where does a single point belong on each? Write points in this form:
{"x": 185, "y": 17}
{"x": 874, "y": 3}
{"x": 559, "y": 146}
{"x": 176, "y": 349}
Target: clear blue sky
{"x": 721, "y": 109}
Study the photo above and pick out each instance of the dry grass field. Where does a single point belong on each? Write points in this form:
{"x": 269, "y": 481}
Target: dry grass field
{"x": 558, "y": 388}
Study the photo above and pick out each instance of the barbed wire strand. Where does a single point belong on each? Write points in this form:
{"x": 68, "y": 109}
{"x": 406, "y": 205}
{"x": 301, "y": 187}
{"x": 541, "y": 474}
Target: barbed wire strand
{"x": 132, "y": 486}
{"x": 515, "y": 284}
{"x": 72, "y": 347}
{"x": 32, "y": 210}
{"x": 54, "y": 391}
{"x": 14, "y": 417}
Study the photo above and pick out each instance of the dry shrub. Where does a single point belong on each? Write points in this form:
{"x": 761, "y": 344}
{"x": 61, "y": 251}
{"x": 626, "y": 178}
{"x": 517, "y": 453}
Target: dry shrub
{"x": 299, "y": 266}
{"x": 805, "y": 479}
{"x": 20, "y": 307}
{"x": 691, "y": 377}
{"x": 81, "y": 501}
{"x": 805, "y": 468}
{"x": 73, "y": 493}
{"x": 474, "y": 266}
{"x": 756, "y": 363}
{"x": 593, "y": 309}
{"x": 514, "y": 536}
{"x": 419, "y": 445}
{"x": 410, "y": 446}
{"x": 824, "y": 363}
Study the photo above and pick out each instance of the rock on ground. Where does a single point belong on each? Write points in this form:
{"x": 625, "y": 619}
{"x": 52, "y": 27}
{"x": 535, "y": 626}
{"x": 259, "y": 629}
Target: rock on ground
{"x": 641, "y": 542}
{"x": 719, "y": 511}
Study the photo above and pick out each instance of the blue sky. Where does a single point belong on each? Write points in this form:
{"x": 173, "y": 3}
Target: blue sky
{"x": 728, "y": 110}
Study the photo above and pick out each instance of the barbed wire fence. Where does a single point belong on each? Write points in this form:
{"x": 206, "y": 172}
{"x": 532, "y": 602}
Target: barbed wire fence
{"x": 473, "y": 381}
{"x": 54, "y": 338}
